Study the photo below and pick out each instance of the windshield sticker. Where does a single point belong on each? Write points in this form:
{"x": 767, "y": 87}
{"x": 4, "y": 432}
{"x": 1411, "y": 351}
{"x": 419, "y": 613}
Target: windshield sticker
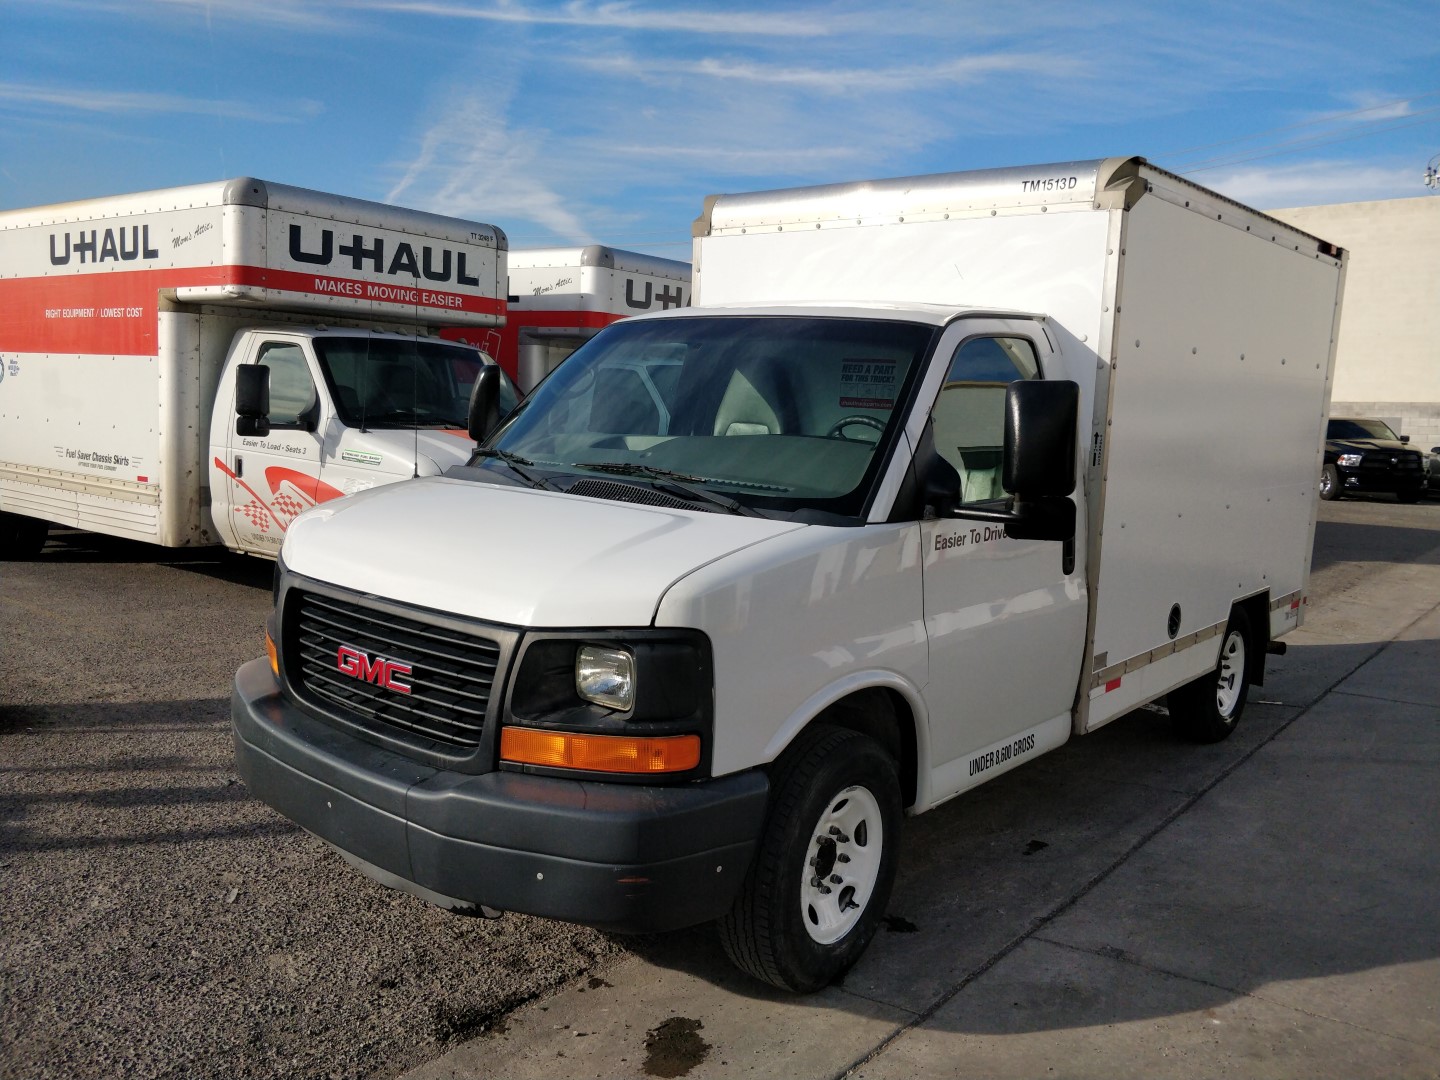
{"x": 867, "y": 384}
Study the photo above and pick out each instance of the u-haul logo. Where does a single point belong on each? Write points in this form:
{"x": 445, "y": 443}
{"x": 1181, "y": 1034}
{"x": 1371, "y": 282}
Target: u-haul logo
{"x": 102, "y": 245}
{"x": 382, "y": 672}
{"x": 369, "y": 252}
{"x": 667, "y": 298}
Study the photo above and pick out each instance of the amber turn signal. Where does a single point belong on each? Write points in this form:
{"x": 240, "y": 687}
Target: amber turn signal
{"x": 272, "y": 654}
{"x": 599, "y": 753}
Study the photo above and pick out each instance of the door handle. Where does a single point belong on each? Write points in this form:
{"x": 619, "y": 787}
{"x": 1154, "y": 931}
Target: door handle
{"x": 239, "y": 466}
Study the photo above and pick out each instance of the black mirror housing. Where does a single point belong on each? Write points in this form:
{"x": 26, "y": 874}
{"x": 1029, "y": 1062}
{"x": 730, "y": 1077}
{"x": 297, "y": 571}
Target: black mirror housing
{"x": 1049, "y": 518}
{"x": 484, "y": 412}
{"x": 252, "y": 400}
{"x": 1041, "y": 422}
{"x": 1041, "y": 427}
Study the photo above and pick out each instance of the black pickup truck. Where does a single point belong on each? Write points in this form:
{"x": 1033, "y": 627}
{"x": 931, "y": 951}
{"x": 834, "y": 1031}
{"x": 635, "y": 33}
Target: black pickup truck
{"x": 1366, "y": 455}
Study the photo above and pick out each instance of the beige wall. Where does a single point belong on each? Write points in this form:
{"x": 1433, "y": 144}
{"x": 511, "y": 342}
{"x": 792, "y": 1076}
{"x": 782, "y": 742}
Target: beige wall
{"x": 1387, "y": 362}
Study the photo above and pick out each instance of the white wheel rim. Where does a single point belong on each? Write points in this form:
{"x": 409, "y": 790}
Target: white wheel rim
{"x": 1325, "y": 483}
{"x": 842, "y": 864}
{"x": 1232, "y": 674}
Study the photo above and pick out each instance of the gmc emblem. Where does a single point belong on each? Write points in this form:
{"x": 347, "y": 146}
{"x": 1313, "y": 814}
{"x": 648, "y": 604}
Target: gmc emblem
{"x": 379, "y": 671}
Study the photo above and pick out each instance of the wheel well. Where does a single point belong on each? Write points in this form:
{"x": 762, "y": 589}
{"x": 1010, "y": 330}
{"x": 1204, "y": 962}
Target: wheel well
{"x": 1257, "y": 611}
{"x": 886, "y": 717}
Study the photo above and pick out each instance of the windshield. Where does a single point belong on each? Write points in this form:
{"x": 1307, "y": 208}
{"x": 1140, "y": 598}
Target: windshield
{"x": 403, "y": 382}
{"x": 778, "y": 413}
{"x": 1360, "y": 429}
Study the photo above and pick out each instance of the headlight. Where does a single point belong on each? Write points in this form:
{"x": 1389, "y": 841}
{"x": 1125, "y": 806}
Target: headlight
{"x": 606, "y": 676}
{"x": 1350, "y": 460}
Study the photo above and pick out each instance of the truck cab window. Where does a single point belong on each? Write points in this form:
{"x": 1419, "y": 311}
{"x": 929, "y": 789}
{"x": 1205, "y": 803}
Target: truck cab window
{"x": 969, "y": 414}
{"x": 292, "y": 390}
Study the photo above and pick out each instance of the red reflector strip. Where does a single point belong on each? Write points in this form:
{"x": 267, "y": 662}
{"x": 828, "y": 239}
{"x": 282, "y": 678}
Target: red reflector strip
{"x": 1113, "y": 684}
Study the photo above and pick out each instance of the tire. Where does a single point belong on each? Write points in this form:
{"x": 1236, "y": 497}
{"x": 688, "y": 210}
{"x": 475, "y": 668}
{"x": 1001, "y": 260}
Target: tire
{"x": 1330, "y": 484}
{"x": 1409, "y": 497}
{"x": 815, "y": 893}
{"x": 21, "y": 537}
{"x": 1207, "y": 709}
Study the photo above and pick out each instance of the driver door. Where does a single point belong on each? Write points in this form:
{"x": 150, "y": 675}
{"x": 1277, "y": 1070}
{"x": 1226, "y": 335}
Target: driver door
{"x": 1005, "y": 620}
{"x": 272, "y": 479}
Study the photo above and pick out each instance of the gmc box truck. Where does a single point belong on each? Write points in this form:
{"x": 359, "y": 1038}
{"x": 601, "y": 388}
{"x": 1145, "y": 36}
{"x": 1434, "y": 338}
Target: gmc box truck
{"x": 124, "y": 322}
{"x": 939, "y": 472}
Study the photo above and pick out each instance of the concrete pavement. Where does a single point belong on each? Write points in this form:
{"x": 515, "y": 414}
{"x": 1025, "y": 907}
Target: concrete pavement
{"x": 1125, "y": 906}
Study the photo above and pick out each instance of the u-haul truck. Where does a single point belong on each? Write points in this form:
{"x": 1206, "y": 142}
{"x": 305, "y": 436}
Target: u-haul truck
{"x": 124, "y": 320}
{"x": 561, "y": 297}
{"x": 940, "y": 472}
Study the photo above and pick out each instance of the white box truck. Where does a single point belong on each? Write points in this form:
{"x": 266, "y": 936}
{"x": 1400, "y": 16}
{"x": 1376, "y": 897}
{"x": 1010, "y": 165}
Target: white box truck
{"x": 939, "y": 472}
{"x": 124, "y": 320}
{"x": 560, "y": 298}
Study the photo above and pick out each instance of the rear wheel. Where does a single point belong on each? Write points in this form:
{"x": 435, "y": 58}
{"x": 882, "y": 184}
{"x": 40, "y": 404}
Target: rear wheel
{"x": 1207, "y": 709}
{"x": 21, "y": 537}
{"x": 1329, "y": 483}
{"x": 818, "y": 887}
{"x": 1409, "y": 496}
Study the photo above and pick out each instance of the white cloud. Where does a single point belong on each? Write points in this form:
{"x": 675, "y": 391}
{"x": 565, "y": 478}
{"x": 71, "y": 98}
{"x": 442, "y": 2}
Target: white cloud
{"x": 472, "y": 165}
{"x": 836, "y": 80}
{"x": 615, "y": 16}
{"x": 294, "y": 14}
{"x": 138, "y": 101}
{"x": 1314, "y": 183}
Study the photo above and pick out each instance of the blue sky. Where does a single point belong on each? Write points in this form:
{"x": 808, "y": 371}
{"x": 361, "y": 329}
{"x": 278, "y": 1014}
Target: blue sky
{"x": 580, "y": 122}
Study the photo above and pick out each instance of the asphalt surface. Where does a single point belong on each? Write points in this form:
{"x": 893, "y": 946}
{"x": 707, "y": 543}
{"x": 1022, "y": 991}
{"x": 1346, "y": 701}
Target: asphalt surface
{"x": 157, "y": 922}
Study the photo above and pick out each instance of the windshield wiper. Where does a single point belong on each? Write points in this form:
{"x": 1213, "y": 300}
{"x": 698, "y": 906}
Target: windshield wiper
{"x": 671, "y": 482}
{"x": 517, "y": 464}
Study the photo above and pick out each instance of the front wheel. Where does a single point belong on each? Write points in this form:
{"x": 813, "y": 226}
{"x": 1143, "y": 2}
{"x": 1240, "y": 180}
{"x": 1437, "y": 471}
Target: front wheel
{"x": 1409, "y": 497}
{"x": 1329, "y": 483}
{"x": 814, "y": 896}
{"x": 1207, "y": 709}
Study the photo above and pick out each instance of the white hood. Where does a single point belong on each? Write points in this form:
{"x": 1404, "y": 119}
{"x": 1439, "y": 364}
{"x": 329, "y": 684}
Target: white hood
{"x": 400, "y": 448}
{"x": 513, "y": 555}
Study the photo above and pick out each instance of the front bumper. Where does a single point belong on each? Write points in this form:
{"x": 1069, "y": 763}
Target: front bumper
{"x": 616, "y": 856}
{"x": 1378, "y": 482}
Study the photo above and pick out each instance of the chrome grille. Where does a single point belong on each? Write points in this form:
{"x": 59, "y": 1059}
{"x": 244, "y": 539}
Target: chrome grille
{"x": 1406, "y": 461}
{"x": 449, "y": 678}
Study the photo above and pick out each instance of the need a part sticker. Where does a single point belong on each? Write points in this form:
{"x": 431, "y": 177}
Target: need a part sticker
{"x": 867, "y": 384}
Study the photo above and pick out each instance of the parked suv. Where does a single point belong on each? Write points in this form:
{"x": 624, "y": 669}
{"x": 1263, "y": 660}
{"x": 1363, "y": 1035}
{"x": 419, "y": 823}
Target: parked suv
{"x": 1366, "y": 455}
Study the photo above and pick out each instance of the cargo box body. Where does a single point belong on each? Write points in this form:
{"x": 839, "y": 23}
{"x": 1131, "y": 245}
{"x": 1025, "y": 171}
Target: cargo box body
{"x": 1200, "y": 332}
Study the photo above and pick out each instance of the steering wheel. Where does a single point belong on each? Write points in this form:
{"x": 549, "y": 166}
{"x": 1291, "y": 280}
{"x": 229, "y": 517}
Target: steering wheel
{"x": 840, "y": 425}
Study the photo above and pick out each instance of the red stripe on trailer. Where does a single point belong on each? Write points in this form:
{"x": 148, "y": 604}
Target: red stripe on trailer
{"x": 579, "y": 320}
{"x": 115, "y": 312}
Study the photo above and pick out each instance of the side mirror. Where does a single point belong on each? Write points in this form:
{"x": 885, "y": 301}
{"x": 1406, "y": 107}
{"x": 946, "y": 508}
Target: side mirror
{"x": 252, "y": 400}
{"x": 484, "y": 412}
{"x": 1041, "y": 428}
{"x": 1041, "y": 421}
{"x": 1404, "y": 438}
